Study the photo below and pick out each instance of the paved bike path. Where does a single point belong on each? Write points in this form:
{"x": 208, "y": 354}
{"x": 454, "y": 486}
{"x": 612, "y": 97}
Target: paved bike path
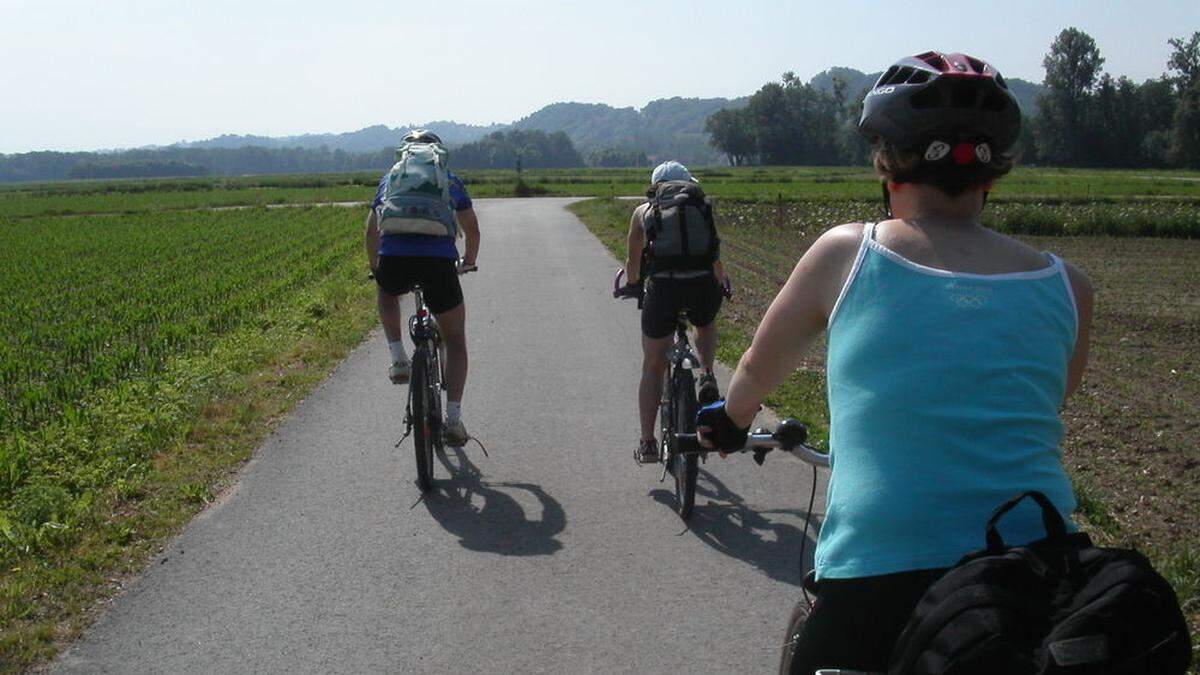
{"x": 556, "y": 554}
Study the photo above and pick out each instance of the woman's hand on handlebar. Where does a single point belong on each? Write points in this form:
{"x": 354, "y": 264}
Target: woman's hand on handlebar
{"x": 715, "y": 429}
{"x": 465, "y": 267}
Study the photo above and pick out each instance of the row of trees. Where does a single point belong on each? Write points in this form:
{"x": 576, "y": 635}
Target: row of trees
{"x": 1084, "y": 117}
{"x": 532, "y": 149}
{"x": 175, "y": 161}
{"x": 1089, "y": 118}
{"x": 536, "y": 149}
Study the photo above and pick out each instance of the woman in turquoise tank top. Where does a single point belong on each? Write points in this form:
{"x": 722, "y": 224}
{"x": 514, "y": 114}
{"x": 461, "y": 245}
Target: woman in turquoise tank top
{"x": 951, "y": 349}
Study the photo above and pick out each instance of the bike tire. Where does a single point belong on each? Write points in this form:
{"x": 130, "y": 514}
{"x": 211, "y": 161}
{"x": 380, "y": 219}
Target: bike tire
{"x": 686, "y": 468}
{"x": 422, "y": 433}
{"x": 796, "y": 623}
{"x": 435, "y": 409}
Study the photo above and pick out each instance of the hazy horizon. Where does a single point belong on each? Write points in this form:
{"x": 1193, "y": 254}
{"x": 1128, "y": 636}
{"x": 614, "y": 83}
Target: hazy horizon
{"x": 92, "y": 75}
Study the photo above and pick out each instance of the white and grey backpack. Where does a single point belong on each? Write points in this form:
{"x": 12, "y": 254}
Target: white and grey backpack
{"x": 416, "y": 198}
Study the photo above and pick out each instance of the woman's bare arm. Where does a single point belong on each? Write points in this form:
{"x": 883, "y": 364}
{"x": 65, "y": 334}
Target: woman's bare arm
{"x": 795, "y": 318}
{"x": 1081, "y": 286}
{"x": 635, "y": 240}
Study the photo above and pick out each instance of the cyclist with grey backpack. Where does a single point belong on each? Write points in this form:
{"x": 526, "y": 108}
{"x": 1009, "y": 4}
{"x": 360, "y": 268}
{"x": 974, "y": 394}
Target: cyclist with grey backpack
{"x": 674, "y": 253}
{"x": 415, "y": 219}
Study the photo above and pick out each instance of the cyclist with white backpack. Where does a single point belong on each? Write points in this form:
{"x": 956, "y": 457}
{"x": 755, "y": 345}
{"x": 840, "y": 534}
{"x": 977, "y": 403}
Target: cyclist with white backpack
{"x": 418, "y": 213}
{"x": 673, "y": 242}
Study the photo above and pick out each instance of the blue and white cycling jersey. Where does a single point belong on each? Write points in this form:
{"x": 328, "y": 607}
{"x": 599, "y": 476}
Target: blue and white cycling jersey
{"x": 423, "y": 245}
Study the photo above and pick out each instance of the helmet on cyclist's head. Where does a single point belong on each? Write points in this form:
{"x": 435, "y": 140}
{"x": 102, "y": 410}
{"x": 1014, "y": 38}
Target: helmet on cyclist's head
{"x": 421, "y": 136}
{"x": 671, "y": 170}
{"x": 949, "y": 98}
{"x": 947, "y": 120}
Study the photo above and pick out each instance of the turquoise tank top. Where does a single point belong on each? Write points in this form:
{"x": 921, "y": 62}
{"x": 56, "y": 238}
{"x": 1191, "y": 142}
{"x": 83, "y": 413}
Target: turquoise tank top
{"x": 944, "y": 389}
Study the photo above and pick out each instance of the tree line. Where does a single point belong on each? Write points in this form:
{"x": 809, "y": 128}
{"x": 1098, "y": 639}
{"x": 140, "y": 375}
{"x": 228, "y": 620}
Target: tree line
{"x": 1084, "y": 117}
{"x": 534, "y": 149}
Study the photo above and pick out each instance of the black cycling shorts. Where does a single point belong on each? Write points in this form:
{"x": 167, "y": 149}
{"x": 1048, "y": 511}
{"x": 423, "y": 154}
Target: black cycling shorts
{"x": 438, "y": 278}
{"x": 699, "y": 298}
{"x": 855, "y": 622}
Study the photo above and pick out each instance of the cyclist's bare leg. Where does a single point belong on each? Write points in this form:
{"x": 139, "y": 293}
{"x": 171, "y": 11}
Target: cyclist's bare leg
{"x": 654, "y": 364}
{"x": 706, "y": 345}
{"x": 452, "y": 325}
{"x": 389, "y": 314}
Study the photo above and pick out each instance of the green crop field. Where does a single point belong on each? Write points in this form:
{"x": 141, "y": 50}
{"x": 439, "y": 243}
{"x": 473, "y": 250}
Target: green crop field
{"x": 142, "y": 357}
{"x": 1058, "y": 186}
{"x": 1130, "y": 445}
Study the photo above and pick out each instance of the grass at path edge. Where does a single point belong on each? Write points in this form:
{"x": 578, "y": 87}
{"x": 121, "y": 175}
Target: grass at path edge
{"x": 222, "y": 404}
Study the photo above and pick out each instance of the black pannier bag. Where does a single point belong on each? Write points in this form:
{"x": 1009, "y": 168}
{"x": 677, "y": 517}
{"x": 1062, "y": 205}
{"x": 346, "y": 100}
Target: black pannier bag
{"x": 681, "y": 234}
{"x": 1058, "y": 605}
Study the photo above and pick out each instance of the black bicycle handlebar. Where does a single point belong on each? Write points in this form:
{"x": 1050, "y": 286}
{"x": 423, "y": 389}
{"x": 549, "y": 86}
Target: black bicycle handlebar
{"x": 789, "y": 436}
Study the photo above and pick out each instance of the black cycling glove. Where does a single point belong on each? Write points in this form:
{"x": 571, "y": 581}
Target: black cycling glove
{"x": 724, "y": 434}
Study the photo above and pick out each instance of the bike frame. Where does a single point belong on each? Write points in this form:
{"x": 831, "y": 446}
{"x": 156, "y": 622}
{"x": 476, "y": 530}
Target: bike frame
{"x": 427, "y": 348}
{"x": 679, "y": 356}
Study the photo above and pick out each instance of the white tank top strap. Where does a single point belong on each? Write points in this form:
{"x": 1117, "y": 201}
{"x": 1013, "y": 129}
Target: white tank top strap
{"x": 867, "y": 236}
{"x": 1059, "y": 263}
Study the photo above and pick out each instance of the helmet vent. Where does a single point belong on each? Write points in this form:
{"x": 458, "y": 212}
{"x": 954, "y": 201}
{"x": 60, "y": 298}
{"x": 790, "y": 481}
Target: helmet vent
{"x": 1000, "y": 81}
{"x": 977, "y": 65}
{"x": 905, "y": 75}
{"x": 934, "y": 59}
{"x": 887, "y": 76}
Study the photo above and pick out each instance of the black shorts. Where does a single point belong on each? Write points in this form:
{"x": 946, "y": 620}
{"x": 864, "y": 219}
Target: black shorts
{"x": 438, "y": 278}
{"x": 699, "y": 298}
{"x": 856, "y": 622}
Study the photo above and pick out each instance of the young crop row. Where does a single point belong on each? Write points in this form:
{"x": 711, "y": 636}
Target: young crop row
{"x": 99, "y": 313}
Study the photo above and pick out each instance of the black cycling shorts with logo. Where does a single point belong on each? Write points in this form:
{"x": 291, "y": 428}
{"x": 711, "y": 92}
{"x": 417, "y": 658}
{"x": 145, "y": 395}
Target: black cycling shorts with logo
{"x": 438, "y": 278}
{"x": 699, "y": 298}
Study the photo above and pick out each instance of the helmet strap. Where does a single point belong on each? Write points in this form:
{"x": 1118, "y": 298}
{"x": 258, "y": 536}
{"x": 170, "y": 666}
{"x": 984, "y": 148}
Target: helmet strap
{"x": 887, "y": 199}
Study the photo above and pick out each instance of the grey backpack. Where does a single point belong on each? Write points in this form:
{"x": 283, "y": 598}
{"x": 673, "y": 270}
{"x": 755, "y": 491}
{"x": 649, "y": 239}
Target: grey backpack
{"x": 680, "y": 232}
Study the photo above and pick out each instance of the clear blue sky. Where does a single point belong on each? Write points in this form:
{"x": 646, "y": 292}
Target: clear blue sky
{"x": 89, "y": 74}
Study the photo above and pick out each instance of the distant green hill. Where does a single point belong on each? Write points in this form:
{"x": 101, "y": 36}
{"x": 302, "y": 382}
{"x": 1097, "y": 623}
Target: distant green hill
{"x": 671, "y": 128}
{"x": 370, "y": 139}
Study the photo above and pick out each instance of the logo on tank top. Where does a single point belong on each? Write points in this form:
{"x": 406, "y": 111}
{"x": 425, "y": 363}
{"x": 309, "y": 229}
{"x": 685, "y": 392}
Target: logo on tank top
{"x": 969, "y": 297}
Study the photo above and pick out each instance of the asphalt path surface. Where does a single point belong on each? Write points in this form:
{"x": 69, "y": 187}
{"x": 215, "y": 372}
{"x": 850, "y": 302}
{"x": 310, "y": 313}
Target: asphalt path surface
{"x": 556, "y": 554}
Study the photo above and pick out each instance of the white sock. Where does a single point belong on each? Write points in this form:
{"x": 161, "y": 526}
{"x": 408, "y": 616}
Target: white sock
{"x": 453, "y": 411}
{"x": 397, "y": 349}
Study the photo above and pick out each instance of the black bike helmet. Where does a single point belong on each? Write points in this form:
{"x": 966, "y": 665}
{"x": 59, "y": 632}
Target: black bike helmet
{"x": 421, "y": 136}
{"x": 934, "y": 102}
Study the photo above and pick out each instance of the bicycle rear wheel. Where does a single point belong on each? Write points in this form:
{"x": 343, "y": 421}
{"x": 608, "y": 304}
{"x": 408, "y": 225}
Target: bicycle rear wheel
{"x": 685, "y": 467}
{"x": 423, "y": 434}
{"x": 792, "y": 637}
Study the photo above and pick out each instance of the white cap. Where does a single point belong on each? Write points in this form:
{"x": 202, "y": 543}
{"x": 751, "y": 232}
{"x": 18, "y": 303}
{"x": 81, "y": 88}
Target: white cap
{"x": 671, "y": 170}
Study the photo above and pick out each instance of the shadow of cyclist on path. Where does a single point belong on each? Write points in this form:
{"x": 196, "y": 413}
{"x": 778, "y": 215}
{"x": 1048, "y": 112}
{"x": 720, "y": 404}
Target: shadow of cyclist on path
{"x": 500, "y": 524}
{"x": 761, "y": 538}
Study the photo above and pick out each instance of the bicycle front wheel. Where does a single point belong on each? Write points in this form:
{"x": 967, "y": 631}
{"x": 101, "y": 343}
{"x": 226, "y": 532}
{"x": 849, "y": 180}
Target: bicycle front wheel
{"x": 423, "y": 433}
{"x": 686, "y": 468}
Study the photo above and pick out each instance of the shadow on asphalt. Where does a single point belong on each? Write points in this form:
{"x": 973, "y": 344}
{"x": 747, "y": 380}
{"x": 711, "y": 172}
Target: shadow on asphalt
{"x": 499, "y": 524}
{"x": 769, "y": 540}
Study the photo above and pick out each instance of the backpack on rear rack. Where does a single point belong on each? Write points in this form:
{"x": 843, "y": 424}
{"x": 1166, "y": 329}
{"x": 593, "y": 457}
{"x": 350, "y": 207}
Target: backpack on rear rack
{"x": 416, "y": 196}
{"x": 1058, "y": 605}
{"x": 680, "y": 232}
